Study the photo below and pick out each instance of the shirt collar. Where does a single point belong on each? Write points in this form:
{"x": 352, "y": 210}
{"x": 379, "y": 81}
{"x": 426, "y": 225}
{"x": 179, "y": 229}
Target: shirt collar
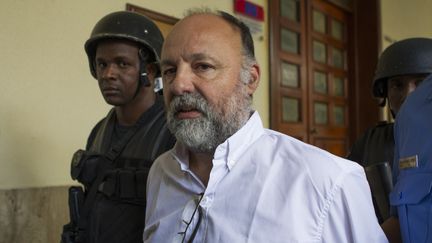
{"x": 181, "y": 155}
{"x": 234, "y": 147}
{"x": 229, "y": 151}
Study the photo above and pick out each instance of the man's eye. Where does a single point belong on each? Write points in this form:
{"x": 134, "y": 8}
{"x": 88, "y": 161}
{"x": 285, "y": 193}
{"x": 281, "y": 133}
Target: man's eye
{"x": 168, "y": 71}
{"x": 100, "y": 65}
{"x": 203, "y": 67}
{"x": 395, "y": 85}
{"x": 123, "y": 64}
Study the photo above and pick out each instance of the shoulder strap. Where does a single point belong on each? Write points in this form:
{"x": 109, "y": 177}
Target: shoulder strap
{"x": 100, "y": 136}
{"x": 109, "y": 158}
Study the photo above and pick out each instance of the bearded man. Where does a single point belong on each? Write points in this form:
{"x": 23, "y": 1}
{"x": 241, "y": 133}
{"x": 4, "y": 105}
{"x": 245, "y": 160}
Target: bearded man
{"x": 228, "y": 179}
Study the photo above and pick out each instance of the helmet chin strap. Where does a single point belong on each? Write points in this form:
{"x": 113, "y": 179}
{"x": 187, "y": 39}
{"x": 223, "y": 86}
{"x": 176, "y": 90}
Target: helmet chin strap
{"x": 143, "y": 79}
{"x": 142, "y": 82}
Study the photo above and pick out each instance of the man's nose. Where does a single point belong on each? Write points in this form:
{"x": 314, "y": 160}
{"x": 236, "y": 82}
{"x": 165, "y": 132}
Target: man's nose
{"x": 110, "y": 71}
{"x": 183, "y": 82}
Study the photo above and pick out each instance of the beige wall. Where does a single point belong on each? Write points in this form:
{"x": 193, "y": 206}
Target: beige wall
{"x": 48, "y": 100}
{"x": 402, "y": 19}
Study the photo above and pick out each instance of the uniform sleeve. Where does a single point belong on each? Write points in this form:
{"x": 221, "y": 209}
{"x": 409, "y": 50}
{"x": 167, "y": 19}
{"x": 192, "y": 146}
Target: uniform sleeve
{"x": 351, "y": 216}
{"x": 395, "y": 173}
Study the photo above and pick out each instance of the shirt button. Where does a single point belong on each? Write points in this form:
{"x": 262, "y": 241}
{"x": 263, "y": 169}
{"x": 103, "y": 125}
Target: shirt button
{"x": 206, "y": 201}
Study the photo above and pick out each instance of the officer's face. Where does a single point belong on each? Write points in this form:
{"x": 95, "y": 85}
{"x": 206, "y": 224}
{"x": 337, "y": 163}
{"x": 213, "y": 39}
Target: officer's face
{"x": 399, "y": 87}
{"x": 117, "y": 70}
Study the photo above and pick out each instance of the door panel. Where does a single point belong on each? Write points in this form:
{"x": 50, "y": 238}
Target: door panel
{"x": 326, "y": 60}
{"x": 309, "y": 72}
{"x": 289, "y": 88}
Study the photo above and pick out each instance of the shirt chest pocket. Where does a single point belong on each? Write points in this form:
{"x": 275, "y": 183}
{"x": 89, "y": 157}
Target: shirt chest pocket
{"x": 413, "y": 199}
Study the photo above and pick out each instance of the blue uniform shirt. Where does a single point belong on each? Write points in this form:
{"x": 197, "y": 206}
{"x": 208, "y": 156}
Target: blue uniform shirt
{"x": 412, "y": 167}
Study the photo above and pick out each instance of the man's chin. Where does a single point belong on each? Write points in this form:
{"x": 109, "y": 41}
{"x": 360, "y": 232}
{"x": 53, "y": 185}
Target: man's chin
{"x": 113, "y": 101}
{"x": 197, "y": 145}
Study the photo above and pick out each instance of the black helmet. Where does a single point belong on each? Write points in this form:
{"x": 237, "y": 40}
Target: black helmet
{"x": 405, "y": 57}
{"x": 125, "y": 25}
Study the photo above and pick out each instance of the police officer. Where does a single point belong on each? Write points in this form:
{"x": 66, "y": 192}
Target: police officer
{"x": 401, "y": 67}
{"x": 123, "y": 53}
{"x": 412, "y": 169}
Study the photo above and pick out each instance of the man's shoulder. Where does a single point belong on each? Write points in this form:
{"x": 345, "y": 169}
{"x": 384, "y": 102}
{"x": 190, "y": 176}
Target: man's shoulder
{"x": 380, "y": 134}
{"x": 164, "y": 164}
{"x": 307, "y": 154}
{"x": 298, "y": 159}
{"x": 154, "y": 115}
{"x": 95, "y": 130}
{"x": 380, "y": 129}
{"x": 382, "y": 125}
{"x": 166, "y": 159}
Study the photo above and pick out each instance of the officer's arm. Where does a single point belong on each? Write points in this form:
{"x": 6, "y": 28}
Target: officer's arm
{"x": 391, "y": 229}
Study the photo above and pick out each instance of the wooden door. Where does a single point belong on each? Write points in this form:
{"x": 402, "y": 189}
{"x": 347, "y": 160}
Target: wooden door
{"x": 164, "y": 22}
{"x": 309, "y": 72}
{"x": 327, "y": 77}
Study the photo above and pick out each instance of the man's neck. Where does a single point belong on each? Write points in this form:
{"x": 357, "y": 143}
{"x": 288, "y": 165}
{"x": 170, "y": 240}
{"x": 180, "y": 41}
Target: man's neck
{"x": 128, "y": 115}
{"x": 201, "y": 165}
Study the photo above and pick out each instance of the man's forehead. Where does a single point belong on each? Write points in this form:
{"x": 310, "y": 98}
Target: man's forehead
{"x": 195, "y": 39}
{"x": 200, "y": 19}
{"x": 407, "y": 78}
{"x": 201, "y": 23}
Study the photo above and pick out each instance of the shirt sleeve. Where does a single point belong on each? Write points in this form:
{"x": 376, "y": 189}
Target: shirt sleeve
{"x": 351, "y": 216}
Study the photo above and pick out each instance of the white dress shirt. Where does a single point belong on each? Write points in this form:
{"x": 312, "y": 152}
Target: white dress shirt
{"x": 264, "y": 187}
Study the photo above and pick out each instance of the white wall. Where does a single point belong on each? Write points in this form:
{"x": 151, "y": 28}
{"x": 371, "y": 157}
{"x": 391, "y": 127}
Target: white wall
{"x": 48, "y": 100}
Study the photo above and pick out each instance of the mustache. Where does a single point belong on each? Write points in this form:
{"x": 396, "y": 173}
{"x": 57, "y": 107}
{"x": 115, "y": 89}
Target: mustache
{"x": 187, "y": 102}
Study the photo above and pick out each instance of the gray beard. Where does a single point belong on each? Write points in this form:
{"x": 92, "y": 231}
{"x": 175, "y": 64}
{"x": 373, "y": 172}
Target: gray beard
{"x": 204, "y": 134}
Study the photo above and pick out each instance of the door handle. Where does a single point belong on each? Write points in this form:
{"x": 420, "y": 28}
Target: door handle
{"x": 313, "y": 131}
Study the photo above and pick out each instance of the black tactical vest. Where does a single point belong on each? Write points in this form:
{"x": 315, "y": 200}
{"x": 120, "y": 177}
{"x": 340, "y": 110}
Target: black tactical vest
{"x": 118, "y": 211}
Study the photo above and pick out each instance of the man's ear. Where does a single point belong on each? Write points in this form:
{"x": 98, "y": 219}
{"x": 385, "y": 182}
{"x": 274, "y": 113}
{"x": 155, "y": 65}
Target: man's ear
{"x": 254, "y": 78}
{"x": 152, "y": 71}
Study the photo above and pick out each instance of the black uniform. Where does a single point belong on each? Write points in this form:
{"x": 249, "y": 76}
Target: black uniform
{"x": 376, "y": 145}
{"x": 118, "y": 210}
{"x": 374, "y": 150}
